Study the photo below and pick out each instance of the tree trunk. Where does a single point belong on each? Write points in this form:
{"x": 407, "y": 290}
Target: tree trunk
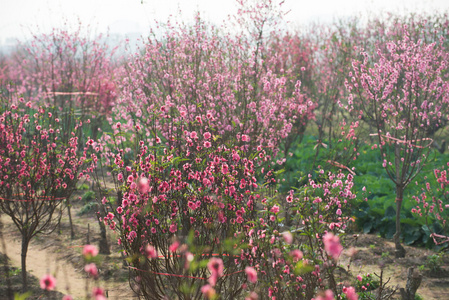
{"x": 119, "y": 198}
{"x": 72, "y": 232}
{"x": 413, "y": 281}
{"x": 88, "y": 235}
{"x": 399, "y": 251}
{"x": 25, "y": 243}
{"x": 103, "y": 244}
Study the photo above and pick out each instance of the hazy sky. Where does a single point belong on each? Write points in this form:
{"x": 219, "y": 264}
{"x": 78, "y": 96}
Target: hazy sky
{"x": 20, "y": 17}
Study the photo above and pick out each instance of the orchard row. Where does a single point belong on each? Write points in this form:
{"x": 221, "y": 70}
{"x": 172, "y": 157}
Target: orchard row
{"x": 194, "y": 128}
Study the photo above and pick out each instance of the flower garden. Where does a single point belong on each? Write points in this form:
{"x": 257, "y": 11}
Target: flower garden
{"x": 231, "y": 163}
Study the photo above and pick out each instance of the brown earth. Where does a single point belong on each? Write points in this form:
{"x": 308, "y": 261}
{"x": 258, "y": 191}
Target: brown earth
{"x": 59, "y": 255}
{"x": 375, "y": 254}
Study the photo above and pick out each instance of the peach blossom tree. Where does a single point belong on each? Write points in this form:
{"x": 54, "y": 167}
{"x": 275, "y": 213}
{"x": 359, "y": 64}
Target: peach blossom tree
{"x": 405, "y": 97}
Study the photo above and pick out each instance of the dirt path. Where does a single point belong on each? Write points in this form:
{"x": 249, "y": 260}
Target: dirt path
{"x": 374, "y": 251}
{"x": 42, "y": 260}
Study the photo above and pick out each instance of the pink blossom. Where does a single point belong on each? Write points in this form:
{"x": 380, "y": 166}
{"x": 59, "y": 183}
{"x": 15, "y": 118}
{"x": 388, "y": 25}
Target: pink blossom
{"x": 245, "y": 138}
{"x": 191, "y": 205}
{"x": 48, "y": 282}
{"x": 173, "y": 247}
{"x": 208, "y": 291}
{"x": 252, "y": 296}
{"x": 275, "y": 209}
{"x": 173, "y": 228}
{"x": 236, "y": 156}
{"x": 296, "y": 255}
{"x": 207, "y": 135}
{"x": 350, "y": 293}
{"x": 215, "y": 266}
{"x": 98, "y": 293}
{"x": 252, "y": 274}
{"x": 150, "y": 252}
{"x": 144, "y": 186}
{"x": 288, "y": 237}
{"x": 67, "y": 297}
{"x": 332, "y": 245}
{"x": 328, "y": 295}
{"x": 193, "y": 135}
{"x": 91, "y": 269}
{"x": 90, "y": 251}
{"x": 224, "y": 169}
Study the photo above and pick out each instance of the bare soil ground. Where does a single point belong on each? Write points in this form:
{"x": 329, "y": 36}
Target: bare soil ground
{"x": 12, "y": 283}
{"x": 375, "y": 253}
{"x": 59, "y": 255}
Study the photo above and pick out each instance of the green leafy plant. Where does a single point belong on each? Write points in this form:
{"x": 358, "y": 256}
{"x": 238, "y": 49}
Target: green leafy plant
{"x": 365, "y": 285}
{"x": 375, "y": 212}
{"x": 418, "y": 297}
{"x": 23, "y": 296}
{"x": 368, "y": 281}
{"x": 14, "y": 272}
{"x": 88, "y": 196}
{"x": 434, "y": 262}
{"x": 88, "y": 208}
{"x": 83, "y": 187}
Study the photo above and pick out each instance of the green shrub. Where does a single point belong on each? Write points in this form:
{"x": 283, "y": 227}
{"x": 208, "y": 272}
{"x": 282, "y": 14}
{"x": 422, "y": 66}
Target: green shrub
{"x": 88, "y": 196}
{"x": 88, "y": 208}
